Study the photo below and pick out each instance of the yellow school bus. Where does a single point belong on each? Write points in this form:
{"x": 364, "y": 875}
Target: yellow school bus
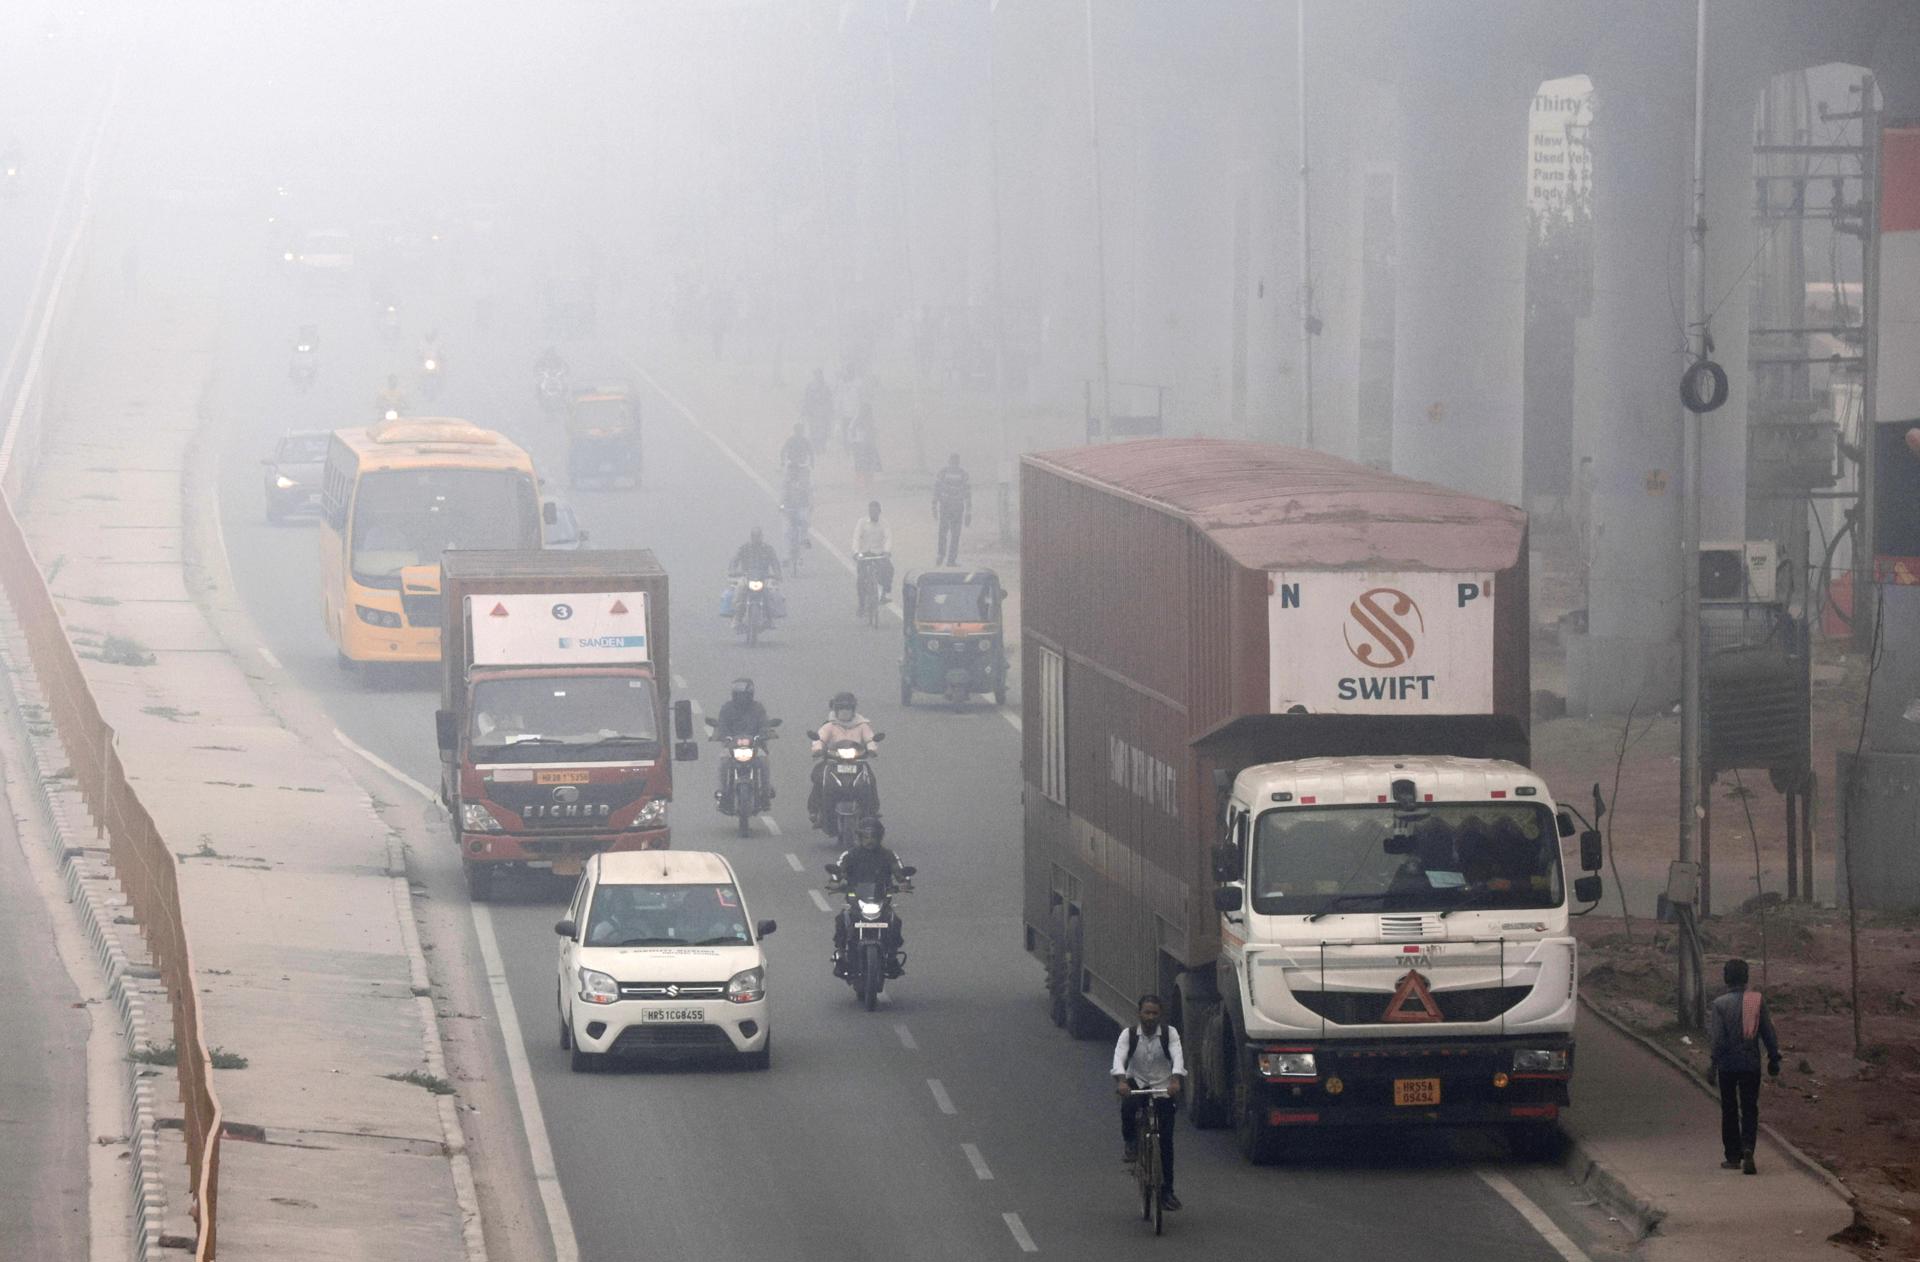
{"x": 393, "y": 497}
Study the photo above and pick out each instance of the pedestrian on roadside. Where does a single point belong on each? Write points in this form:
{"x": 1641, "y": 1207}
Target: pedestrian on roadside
{"x": 1737, "y": 1025}
{"x": 865, "y": 446}
{"x": 952, "y": 509}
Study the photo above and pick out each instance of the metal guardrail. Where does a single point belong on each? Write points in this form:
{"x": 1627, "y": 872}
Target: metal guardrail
{"x": 144, "y": 864}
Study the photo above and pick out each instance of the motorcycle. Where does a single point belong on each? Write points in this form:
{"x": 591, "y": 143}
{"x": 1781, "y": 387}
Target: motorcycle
{"x": 756, "y": 603}
{"x": 303, "y": 367}
{"x": 550, "y": 387}
{"x": 746, "y": 787}
{"x": 869, "y": 915}
{"x": 431, "y": 369}
{"x": 848, "y": 791}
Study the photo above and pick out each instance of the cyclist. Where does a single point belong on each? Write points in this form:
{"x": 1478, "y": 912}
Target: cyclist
{"x": 1148, "y": 1057}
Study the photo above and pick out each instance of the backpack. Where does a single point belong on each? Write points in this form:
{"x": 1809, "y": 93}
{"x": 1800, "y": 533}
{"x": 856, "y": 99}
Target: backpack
{"x": 1133, "y": 1044}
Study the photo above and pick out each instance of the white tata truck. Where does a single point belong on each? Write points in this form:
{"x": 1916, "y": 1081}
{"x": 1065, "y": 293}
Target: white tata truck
{"x": 1276, "y": 729}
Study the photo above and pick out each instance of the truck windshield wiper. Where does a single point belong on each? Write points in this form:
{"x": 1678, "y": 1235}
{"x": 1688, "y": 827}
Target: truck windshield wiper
{"x": 1337, "y": 900}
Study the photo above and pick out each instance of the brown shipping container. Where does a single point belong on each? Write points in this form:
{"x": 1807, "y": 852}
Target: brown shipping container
{"x": 1146, "y": 649}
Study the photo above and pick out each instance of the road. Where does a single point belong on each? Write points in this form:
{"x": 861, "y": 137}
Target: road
{"x": 954, "y": 1123}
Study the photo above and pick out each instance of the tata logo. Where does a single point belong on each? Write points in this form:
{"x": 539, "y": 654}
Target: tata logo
{"x": 562, "y": 611}
{"x": 1381, "y": 617}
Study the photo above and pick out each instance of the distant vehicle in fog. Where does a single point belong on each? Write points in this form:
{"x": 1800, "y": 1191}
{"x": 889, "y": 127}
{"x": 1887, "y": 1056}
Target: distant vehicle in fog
{"x": 293, "y": 473}
{"x": 563, "y": 528}
{"x": 325, "y": 250}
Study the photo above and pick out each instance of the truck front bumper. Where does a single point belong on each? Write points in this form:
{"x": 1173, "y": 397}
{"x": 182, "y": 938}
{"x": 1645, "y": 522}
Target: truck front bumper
{"x": 1417, "y": 1081}
{"x": 560, "y": 850}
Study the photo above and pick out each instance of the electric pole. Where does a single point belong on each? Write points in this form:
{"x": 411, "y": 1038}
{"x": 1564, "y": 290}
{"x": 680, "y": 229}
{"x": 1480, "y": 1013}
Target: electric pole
{"x": 1690, "y": 988}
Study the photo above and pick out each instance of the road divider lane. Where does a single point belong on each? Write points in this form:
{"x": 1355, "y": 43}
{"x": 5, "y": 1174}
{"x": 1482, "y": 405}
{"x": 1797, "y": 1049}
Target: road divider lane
{"x": 793, "y": 861}
{"x": 979, "y": 1163}
{"x": 906, "y": 1038}
{"x": 820, "y": 901}
{"x": 1021, "y": 1236}
{"x": 941, "y": 1100}
{"x": 1536, "y": 1217}
{"x": 385, "y": 766}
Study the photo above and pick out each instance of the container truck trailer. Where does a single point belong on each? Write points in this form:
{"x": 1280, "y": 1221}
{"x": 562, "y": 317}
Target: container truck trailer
{"x": 1276, "y": 735}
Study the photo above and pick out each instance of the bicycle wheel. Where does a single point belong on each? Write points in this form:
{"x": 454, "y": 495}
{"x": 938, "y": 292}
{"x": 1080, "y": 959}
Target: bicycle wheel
{"x": 1149, "y": 1168}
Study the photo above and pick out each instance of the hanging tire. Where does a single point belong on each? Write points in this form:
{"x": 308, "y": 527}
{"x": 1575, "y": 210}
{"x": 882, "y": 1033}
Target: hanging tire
{"x": 1703, "y": 387}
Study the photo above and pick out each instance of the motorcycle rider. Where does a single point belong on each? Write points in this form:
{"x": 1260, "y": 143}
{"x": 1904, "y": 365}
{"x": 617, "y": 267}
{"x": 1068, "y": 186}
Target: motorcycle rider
{"x": 392, "y": 400}
{"x": 740, "y": 716}
{"x": 871, "y": 537}
{"x": 755, "y": 559}
{"x": 796, "y": 505}
{"x": 844, "y": 723}
{"x": 870, "y": 862}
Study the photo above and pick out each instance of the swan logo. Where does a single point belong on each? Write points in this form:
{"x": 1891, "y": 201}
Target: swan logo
{"x": 1381, "y": 616}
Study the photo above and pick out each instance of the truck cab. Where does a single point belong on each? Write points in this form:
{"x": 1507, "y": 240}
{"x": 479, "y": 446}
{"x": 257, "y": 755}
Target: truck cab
{"x": 1394, "y": 948}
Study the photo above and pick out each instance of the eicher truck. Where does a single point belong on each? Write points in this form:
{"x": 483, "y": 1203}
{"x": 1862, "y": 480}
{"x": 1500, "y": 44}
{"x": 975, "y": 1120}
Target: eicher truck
{"x": 554, "y": 711}
{"x": 1276, "y": 744}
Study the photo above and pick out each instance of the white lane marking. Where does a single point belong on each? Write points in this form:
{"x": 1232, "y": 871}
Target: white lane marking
{"x": 941, "y": 1100}
{"x": 539, "y": 1149}
{"x": 975, "y": 1160}
{"x": 820, "y": 900}
{"x": 266, "y": 655}
{"x": 1012, "y": 718}
{"x": 906, "y": 1037}
{"x": 793, "y": 861}
{"x": 773, "y": 825}
{"x": 1020, "y": 1236}
{"x": 1535, "y": 1216}
{"x": 386, "y": 766}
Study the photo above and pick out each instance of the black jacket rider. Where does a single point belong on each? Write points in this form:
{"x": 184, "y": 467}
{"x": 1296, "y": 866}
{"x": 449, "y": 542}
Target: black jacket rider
{"x": 740, "y": 718}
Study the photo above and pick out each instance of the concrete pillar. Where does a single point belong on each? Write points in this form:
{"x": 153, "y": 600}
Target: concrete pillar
{"x": 1460, "y": 317}
{"x": 1627, "y": 417}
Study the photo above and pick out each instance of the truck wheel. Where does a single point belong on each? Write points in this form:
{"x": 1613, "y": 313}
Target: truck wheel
{"x": 1057, "y": 967}
{"x": 480, "y": 882}
{"x": 1212, "y": 1106}
{"x": 1251, "y": 1134}
{"x": 1082, "y": 1019}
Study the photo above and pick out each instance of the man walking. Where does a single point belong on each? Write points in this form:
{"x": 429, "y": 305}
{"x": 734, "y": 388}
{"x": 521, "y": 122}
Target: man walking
{"x": 1148, "y": 1057}
{"x": 1737, "y": 1025}
{"x": 952, "y": 508}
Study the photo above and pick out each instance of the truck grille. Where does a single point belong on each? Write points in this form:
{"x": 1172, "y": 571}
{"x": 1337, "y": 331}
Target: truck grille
{"x": 421, "y": 611}
{"x": 1408, "y": 927}
{"x": 1369, "y": 1007}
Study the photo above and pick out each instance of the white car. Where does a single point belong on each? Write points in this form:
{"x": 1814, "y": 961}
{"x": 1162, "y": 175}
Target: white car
{"x": 659, "y": 956}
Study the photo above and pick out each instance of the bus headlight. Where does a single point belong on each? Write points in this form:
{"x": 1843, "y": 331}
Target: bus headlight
{"x": 378, "y": 617}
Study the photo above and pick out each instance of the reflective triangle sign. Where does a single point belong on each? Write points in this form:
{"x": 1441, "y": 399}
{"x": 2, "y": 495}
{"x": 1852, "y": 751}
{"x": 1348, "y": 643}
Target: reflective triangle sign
{"x": 1412, "y": 1002}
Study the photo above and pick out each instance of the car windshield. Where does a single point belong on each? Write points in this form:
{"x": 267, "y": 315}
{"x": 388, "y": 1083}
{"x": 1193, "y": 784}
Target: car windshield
{"x": 551, "y": 719}
{"x": 302, "y": 449}
{"x": 602, "y": 414}
{"x": 666, "y": 915}
{"x": 954, "y": 602}
{"x": 409, "y": 517}
{"x": 1311, "y": 860}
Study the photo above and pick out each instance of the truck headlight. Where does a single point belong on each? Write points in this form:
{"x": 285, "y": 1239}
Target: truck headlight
{"x": 1540, "y": 1060}
{"x": 476, "y": 818}
{"x": 1288, "y": 1065}
{"x": 747, "y": 987}
{"x": 652, "y": 815}
{"x": 378, "y": 617}
{"x": 596, "y": 987}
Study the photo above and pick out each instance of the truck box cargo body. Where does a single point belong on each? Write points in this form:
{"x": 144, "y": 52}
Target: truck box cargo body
{"x": 1196, "y": 609}
{"x": 555, "y": 707}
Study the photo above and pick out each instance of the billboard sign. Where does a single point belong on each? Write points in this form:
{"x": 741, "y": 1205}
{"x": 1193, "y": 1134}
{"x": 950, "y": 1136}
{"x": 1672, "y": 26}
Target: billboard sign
{"x": 588, "y": 628}
{"x": 1378, "y": 642}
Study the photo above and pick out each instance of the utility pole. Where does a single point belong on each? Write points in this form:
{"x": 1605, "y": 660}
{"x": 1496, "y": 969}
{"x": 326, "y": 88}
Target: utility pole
{"x": 1306, "y": 224}
{"x": 1099, "y": 235}
{"x": 1690, "y": 989}
{"x": 1003, "y": 475}
{"x": 915, "y": 420}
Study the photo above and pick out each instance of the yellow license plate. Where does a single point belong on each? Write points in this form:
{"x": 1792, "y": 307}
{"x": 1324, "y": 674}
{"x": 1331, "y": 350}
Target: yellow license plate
{"x": 1416, "y": 1091}
{"x": 566, "y": 867}
{"x": 560, "y": 777}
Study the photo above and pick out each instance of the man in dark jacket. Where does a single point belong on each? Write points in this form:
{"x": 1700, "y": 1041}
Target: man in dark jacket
{"x": 952, "y": 508}
{"x": 1737, "y": 1025}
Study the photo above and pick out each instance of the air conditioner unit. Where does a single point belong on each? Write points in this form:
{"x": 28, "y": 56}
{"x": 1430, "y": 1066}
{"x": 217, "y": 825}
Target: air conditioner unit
{"x": 1739, "y": 573}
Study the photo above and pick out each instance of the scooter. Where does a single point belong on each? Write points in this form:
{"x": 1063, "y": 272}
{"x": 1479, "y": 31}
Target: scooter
{"x": 868, "y": 914}
{"x": 746, "y": 788}
{"x": 848, "y": 791}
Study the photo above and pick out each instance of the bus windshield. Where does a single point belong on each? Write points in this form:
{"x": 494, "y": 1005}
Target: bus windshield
{"x": 409, "y": 517}
{"x": 1441, "y": 857}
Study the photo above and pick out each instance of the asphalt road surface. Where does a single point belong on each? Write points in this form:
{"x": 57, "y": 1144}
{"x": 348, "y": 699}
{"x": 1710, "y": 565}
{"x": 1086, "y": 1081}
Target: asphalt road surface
{"x": 956, "y": 1122}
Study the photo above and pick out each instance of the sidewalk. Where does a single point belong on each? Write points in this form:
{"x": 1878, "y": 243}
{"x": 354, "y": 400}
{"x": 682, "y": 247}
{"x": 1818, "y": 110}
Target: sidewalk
{"x": 294, "y": 892}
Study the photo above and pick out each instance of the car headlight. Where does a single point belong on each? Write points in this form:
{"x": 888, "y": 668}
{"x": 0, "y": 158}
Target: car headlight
{"x": 596, "y": 987}
{"x": 284, "y": 482}
{"x": 743, "y": 753}
{"x": 476, "y": 818}
{"x": 652, "y": 815}
{"x": 747, "y": 987}
{"x": 378, "y": 617}
{"x": 1540, "y": 1060}
{"x": 869, "y": 910}
{"x": 754, "y": 585}
{"x": 1288, "y": 1065}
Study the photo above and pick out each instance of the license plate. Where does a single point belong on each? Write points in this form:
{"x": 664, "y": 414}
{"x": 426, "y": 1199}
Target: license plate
{"x": 1416, "y": 1091}
{"x": 566, "y": 867}
{"x": 670, "y": 1015}
{"x": 560, "y": 777}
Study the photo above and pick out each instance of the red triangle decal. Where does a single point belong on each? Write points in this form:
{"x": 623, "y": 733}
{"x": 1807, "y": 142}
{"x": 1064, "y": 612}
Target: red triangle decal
{"x": 1412, "y": 993}
{"x": 619, "y": 606}
{"x": 499, "y": 611}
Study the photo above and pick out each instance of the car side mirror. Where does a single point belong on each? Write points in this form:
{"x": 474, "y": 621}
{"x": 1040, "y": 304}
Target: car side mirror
{"x": 683, "y": 720}
{"x": 686, "y": 751}
{"x": 1587, "y": 889}
{"x": 765, "y": 929}
{"x": 1592, "y": 855}
{"x": 566, "y": 929}
{"x": 550, "y": 513}
{"x": 907, "y": 869}
{"x": 444, "y": 731}
{"x": 1228, "y": 898}
{"x": 1564, "y": 821}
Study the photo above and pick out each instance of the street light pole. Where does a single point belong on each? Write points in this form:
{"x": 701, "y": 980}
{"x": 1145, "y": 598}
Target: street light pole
{"x": 1690, "y": 987}
{"x": 1099, "y": 235}
{"x": 1306, "y": 224}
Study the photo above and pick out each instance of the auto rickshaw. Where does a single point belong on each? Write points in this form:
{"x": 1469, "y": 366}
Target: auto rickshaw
{"x": 954, "y": 642}
{"x": 603, "y": 435}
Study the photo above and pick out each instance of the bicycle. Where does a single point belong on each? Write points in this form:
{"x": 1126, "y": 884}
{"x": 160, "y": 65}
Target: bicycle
{"x": 1147, "y": 1167}
{"x": 869, "y": 564}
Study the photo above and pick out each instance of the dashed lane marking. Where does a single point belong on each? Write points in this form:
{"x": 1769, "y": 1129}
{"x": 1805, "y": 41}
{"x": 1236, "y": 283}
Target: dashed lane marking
{"x": 386, "y": 766}
{"x": 773, "y": 825}
{"x": 1535, "y": 1216}
{"x": 1020, "y": 1235}
{"x": 266, "y": 655}
{"x": 906, "y": 1038}
{"x": 941, "y": 1100}
{"x": 793, "y": 861}
{"x": 820, "y": 900}
{"x": 975, "y": 1160}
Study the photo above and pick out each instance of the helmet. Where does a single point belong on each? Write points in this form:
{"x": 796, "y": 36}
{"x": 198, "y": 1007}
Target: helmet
{"x": 743, "y": 689}
{"x": 844, "y": 701}
{"x": 872, "y": 832}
